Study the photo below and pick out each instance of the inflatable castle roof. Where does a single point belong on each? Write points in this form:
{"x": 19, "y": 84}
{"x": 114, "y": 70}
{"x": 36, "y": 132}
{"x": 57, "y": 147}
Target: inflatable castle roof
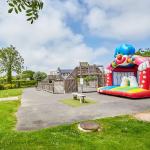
{"x": 125, "y": 57}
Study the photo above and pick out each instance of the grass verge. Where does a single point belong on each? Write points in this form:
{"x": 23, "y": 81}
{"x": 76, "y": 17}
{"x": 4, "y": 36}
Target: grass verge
{"x": 10, "y": 92}
{"x": 76, "y": 103}
{"x": 119, "y": 133}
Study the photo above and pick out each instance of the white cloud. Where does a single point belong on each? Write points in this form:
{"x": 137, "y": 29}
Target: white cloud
{"x": 49, "y": 42}
{"x": 116, "y": 19}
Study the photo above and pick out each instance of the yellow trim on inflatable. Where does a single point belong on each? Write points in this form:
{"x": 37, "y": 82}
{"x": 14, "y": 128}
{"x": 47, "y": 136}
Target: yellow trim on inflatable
{"x": 136, "y": 90}
{"x": 119, "y": 88}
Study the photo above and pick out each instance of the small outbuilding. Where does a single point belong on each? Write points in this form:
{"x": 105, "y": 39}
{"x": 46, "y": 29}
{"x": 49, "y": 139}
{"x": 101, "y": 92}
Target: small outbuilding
{"x": 58, "y": 84}
{"x": 66, "y": 80}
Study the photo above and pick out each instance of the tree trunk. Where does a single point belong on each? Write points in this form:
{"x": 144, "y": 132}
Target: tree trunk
{"x": 9, "y": 75}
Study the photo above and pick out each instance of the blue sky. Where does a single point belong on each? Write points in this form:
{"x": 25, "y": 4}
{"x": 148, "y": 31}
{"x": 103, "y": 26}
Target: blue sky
{"x": 69, "y": 31}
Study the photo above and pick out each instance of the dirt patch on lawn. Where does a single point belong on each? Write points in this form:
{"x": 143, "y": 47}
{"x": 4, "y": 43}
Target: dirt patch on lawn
{"x": 145, "y": 116}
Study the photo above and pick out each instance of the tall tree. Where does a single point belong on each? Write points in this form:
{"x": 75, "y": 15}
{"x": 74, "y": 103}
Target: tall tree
{"x": 39, "y": 76}
{"x": 31, "y": 8}
{"x": 10, "y": 61}
{"x": 28, "y": 74}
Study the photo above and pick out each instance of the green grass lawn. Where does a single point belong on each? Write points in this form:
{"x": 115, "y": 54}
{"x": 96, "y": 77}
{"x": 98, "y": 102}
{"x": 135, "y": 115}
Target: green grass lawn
{"x": 76, "y": 103}
{"x": 10, "y": 92}
{"x": 119, "y": 133}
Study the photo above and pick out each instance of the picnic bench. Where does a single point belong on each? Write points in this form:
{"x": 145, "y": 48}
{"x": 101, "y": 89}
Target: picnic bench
{"x": 79, "y": 96}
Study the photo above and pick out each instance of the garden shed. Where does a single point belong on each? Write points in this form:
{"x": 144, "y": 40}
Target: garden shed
{"x": 58, "y": 84}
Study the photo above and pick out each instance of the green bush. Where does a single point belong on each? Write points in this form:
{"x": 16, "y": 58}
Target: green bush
{"x": 1, "y": 87}
{"x": 7, "y": 86}
{"x": 24, "y": 83}
{"x": 2, "y": 80}
{"x": 18, "y": 84}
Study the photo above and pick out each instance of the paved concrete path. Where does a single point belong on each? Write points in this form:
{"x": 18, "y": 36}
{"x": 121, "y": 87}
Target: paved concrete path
{"x": 9, "y": 98}
{"x": 41, "y": 109}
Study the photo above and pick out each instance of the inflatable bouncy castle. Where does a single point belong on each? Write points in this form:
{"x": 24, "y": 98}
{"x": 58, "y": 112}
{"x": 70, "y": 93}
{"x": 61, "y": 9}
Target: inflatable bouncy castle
{"x": 128, "y": 75}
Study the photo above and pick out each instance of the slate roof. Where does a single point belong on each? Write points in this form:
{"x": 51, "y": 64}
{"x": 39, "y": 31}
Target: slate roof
{"x": 64, "y": 70}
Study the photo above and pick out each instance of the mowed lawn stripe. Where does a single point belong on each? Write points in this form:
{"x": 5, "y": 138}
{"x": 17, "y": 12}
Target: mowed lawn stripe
{"x": 10, "y": 92}
{"x": 118, "y": 133}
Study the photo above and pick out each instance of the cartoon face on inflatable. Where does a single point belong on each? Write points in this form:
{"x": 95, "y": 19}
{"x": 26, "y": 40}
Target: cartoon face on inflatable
{"x": 123, "y": 55}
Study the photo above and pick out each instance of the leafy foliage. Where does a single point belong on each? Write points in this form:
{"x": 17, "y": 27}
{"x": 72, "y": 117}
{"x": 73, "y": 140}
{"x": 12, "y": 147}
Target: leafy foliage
{"x": 10, "y": 60}
{"x": 144, "y": 53}
{"x": 31, "y": 8}
{"x": 24, "y": 83}
{"x": 27, "y": 74}
{"x": 90, "y": 78}
{"x": 39, "y": 76}
{"x": 3, "y": 80}
{"x": 7, "y": 86}
{"x": 18, "y": 84}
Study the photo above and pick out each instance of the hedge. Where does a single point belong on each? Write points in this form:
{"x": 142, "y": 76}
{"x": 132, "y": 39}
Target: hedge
{"x": 24, "y": 83}
{"x": 7, "y": 86}
{"x": 18, "y": 84}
